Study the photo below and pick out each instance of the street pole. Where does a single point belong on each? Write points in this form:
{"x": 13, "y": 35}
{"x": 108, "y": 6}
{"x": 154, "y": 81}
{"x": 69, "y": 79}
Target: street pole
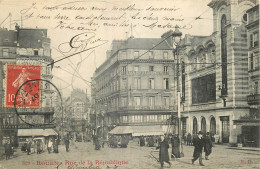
{"x": 176, "y": 35}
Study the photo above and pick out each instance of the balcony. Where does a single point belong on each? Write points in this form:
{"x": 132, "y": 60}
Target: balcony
{"x": 42, "y": 110}
{"x": 253, "y": 99}
{"x": 145, "y": 108}
{"x": 147, "y": 73}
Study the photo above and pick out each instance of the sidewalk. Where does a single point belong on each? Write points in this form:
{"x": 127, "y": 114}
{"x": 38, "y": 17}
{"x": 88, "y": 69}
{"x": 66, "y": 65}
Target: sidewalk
{"x": 245, "y": 148}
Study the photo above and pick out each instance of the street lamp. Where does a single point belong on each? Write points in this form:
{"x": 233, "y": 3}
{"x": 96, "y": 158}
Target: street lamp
{"x": 176, "y": 38}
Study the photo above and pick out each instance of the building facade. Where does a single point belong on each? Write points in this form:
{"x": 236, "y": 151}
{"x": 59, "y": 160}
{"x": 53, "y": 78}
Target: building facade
{"x": 134, "y": 86}
{"x": 250, "y": 123}
{"x": 76, "y": 118}
{"x": 26, "y": 48}
{"x": 216, "y": 73}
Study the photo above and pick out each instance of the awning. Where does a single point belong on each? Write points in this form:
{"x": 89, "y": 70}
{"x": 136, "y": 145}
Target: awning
{"x": 152, "y": 130}
{"x": 36, "y": 132}
{"x": 121, "y": 130}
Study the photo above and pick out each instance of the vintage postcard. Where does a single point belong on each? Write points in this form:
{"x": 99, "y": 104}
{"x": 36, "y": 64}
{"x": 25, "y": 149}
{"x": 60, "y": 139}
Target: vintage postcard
{"x": 129, "y": 84}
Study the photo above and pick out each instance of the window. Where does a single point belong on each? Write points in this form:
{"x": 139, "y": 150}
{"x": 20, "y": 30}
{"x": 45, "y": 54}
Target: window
{"x": 204, "y": 89}
{"x": 35, "y": 52}
{"x": 124, "y": 83}
{"x": 256, "y": 40}
{"x": 224, "y": 91}
{"x": 151, "y": 83}
{"x": 137, "y": 118}
{"x": 151, "y": 102}
{"x": 124, "y": 55}
{"x": 166, "y": 101}
{"x": 124, "y": 118}
{"x": 5, "y": 52}
{"x": 256, "y": 59}
{"x": 251, "y": 62}
{"x": 48, "y": 70}
{"x": 166, "y": 83}
{"x": 136, "y": 54}
{"x": 137, "y": 102}
{"x": 123, "y": 69}
{"x": 124, "y": 101}
{"x": 150, "y": 55}
{"x": 256, "y": 87}
{"x": 151, "y": 68}
{"x": 194, "y": 64}
{"x": 165, "y": 69}
{"x": 137, "y": 83}
{"x": 152, "y": 118}
{"x": 136, "y": 68}
{"x": 165, "y": 55}
{"x": 183, "y": 79}
{"x": 251, "y": 40}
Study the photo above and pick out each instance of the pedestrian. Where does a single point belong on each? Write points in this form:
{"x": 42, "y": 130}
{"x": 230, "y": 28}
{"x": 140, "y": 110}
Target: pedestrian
{"x": 55, "y": 146}
{"x": 198, "y": 144}
{"x": 185, "y": 138}
{"x": 97, "y": 144}
{"x": 175, "y": 146}
{"x": 38, "y": 147}
{"x": 163, "y": 151}
{"x": 8, "y": 150}
{"x": 189, "y": 139}
{"x": 208, "y": 146}
{"x": 67, "y": 144}
{"x": 50, "y": 143}
{"x": 28, "y": 147}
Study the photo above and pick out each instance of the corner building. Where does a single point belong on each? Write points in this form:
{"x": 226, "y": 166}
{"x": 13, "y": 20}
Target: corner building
{"x": 216, "y": 73}
{"x": 25, "y": 46}
{"x": 134, "y": 86}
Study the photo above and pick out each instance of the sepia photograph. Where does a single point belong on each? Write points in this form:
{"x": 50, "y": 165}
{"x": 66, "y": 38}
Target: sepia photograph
{"x": 129, "y": 84}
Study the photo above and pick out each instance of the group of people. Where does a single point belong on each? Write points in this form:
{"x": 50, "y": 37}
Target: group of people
{"x": 115, "y": 141}
{"x": 32, "y": 146}
{"x": 199, "y": 143}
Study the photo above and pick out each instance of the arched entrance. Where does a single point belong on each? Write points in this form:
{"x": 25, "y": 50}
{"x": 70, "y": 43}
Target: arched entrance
{"x": 213, "y": 125}
{"x": 195, "y": 126}
{"x": 203, "y": 125}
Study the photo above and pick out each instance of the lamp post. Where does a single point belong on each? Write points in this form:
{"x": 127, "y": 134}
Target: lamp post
{"x": 176, "y": 38}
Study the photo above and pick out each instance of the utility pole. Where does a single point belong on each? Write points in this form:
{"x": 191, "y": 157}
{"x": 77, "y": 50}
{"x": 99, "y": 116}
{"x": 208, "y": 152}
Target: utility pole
{"x": 176, "y": 35}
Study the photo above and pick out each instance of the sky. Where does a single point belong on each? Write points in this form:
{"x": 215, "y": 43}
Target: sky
{"x": 91, "y": 25}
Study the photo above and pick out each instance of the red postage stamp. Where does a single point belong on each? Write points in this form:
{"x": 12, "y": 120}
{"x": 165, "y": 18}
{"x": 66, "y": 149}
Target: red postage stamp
{"x": 16, "y": 78}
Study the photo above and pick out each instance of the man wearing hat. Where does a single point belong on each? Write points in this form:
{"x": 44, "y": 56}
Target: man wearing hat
{"x": 198, "y": 146}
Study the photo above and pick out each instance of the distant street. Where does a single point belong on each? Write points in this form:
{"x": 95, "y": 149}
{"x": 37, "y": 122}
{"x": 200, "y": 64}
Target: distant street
{"x": 132, "y": 157}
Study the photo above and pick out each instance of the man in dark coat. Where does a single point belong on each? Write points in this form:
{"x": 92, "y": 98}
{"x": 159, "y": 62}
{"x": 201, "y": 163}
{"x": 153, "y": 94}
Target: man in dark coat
{"x": 8, "y": 150}
{"x": 28, "y": 147}
{"x": 189, "y": 139}
{"x": 175, "y": 146}
{"x": 67, "y": 144}
{"x": 55, "y": 146}
{"x": 38, "y": 143}
{"x": 208, "y": 146}
{"x": 163, "y": 151}
{"x": 198, "y": 144}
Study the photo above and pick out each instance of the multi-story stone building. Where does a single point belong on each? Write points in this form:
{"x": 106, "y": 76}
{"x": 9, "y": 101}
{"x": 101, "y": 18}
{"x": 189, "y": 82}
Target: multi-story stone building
{"x": 250, "y": 123}
{"x": 25, "y": 48}
{"x": 216, "y": 73}
{"x": 76, "y": 116}
{"x": 134, "y": 87}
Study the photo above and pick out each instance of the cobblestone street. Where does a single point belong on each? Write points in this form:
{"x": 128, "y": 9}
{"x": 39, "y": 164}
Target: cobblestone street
{"x": 131, "y": 157}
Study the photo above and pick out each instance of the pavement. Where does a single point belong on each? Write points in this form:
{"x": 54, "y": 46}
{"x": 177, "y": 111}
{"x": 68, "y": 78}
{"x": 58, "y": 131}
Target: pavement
{"x": 83, "y": 156}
